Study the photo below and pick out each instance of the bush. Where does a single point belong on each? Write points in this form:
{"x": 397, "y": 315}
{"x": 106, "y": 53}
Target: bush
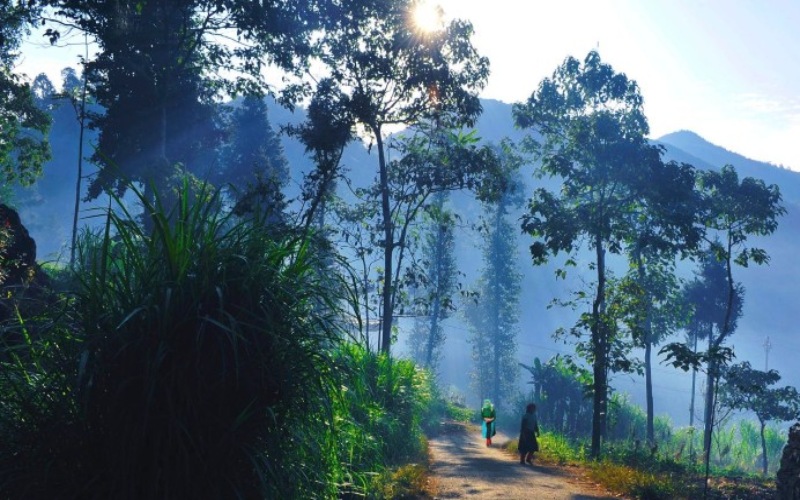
{"x": 184, "y": 364}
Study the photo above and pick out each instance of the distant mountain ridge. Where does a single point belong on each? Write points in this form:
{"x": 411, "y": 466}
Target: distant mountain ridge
{"x": 771, "y": 291}
{"x": 703, "y": 154}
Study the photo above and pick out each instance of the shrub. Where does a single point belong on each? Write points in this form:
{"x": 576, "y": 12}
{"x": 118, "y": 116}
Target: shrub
{"x": 185, "y": 365}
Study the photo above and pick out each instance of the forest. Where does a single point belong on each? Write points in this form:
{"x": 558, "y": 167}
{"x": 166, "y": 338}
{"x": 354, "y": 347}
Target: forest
{"x": 225, "y": 314}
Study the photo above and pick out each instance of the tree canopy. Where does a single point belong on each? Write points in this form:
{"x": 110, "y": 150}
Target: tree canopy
{"x": 593, "y": 129}
{"x": 23, "y": 125}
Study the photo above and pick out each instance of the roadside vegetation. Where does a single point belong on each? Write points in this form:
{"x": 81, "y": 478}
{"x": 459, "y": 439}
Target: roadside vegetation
{"x": 141, "y": 373}
{"x": 672, "y": 469}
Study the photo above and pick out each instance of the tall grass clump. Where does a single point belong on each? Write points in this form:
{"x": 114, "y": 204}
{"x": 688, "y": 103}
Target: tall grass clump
{"x": 379, "y": 415}
{"x": 196, "y": 353}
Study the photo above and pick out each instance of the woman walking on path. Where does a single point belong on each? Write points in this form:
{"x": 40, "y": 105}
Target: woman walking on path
{"x": 489, "y": 415}
{"x": 528, "y": 432}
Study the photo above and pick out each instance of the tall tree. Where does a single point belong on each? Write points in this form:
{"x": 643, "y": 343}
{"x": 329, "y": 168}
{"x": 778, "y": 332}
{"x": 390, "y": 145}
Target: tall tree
{"x": 395, "y": 72}
{"x": 705, "y": 297}
{"x": 663, "y": 227}
{"x": 431, "y": 160}
{"x": 733, "y": 211}
{"x": 160, "y": 66}
{"x": 748, "y": 389}
{"x": 327, "y": 130}
{"x": 253, "y": 166}
{"x": 439, "y": 283}
{"x": 23, "y": 125}
{"x": 494, "y": 319}
{"x": 653, "y": 311}
{"x": 593, "y": 129}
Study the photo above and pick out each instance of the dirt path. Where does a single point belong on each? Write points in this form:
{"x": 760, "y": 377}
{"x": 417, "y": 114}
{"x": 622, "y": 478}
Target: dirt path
{"x": 463, "y": 467}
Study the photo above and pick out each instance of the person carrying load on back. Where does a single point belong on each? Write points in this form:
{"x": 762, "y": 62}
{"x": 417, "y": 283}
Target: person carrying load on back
{"x": 488, "y": 426}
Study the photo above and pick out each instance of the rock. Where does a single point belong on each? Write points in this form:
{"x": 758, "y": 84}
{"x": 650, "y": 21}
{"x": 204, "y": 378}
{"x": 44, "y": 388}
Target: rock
{"x": 24, "y": 287}
{"x": 17, "y": 250}
{"x": 788, "y": 482}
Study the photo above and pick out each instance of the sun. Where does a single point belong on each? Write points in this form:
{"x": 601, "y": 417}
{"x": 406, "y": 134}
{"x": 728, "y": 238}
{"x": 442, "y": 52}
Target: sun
{"x": 428, "y": 16}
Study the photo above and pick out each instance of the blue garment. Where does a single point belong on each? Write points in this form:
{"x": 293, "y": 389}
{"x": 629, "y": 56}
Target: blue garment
{"x": 488, "y": 429}
{"x": 487, "y": 411}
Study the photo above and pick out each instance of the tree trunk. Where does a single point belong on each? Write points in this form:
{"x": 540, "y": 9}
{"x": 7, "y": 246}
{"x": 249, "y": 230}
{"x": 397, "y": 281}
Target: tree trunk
{"x": 436, "y": 310}
{"x": 648, "y": 384}
{"x": 691, "y": 404}
{"x": 388, "y": 245}
{"x": 599, "y": 350}
{"x": 82, "y": 123}
{"x": 708, "y": 414}
{"x": 432, "y": 337}
{"x": 764, "y": 445}
{"x": 648, "y": 350}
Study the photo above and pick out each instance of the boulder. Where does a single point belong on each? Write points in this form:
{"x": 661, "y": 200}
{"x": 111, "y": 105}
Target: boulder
{"x": 17, "y": 250}
{"x": 788, "y": 481}
{"x": 24, "y": 287}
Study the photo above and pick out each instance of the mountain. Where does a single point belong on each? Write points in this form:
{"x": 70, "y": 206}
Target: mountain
{"x": 707, "y": 155}
{"x": 771, "y": 291}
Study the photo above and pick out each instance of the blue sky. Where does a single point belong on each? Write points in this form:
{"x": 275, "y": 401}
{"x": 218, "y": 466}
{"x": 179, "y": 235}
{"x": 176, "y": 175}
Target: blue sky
{"x": 728, "y": 70}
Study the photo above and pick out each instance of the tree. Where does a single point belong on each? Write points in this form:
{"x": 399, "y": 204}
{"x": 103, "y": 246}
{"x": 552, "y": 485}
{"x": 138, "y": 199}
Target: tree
{"x": 747, "y": 389}
{"x": 705, "y": 297}
{"x": 439, "y": 283}
{"x": 735, "y": 211}
{"x": 23, "y": 125}
{"x": 560, "y": 391}
{"x": 663, "y": 226}
{"x": 159, "y": 69}
{"x": 253, "y": 165}
{"x": 494, "y": 318}
{"x": 652, "y": 311}
{"x": 593, "y": 137}
{"x": 328, "y": 129}
{"x": 393, "y": 73}
{"x": 732, "y": 212}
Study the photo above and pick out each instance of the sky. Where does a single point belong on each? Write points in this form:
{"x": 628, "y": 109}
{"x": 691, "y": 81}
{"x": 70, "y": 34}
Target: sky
{"x": 728, "y": 70}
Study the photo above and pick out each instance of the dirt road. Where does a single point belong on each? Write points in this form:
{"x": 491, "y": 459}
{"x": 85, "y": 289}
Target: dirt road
{"x": 463, "y": 467}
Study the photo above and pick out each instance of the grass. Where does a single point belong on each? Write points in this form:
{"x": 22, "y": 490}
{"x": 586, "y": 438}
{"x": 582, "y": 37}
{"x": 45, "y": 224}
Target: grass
{"x": 201, "y": 358}
{"x": 636, "y": 473}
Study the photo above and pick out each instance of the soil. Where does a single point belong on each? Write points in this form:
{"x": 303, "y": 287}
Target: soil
{"x": 462, "y": 466}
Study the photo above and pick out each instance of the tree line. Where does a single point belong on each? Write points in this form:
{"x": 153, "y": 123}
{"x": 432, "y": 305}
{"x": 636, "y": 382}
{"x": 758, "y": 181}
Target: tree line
{"x": 361, "y": 68}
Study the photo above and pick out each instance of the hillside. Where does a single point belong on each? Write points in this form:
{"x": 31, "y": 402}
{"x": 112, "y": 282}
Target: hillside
{"x": 771, "y": 291}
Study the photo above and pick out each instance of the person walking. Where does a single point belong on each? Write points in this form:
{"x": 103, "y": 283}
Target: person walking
{"x": 528, "y": 432}
{"x": 489, "y": 416}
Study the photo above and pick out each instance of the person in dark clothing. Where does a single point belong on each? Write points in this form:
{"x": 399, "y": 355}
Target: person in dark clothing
{"x": 529, "y": 430}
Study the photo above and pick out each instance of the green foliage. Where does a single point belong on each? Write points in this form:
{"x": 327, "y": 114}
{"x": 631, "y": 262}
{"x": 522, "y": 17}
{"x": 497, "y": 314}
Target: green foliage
{"x": 161, "y": 65}
{"x": 202, "y": 359}
{"x": 385, "y": 72}
{"x": 560, "y": 391}
{"x": 747, "y": 389}
{"x": 380, "y": 412}
{"x": 23, "y": 125}
{"x": 166, "y": 387}
{"x": 459, "y": 413}
{"x": 593, "y": 130}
